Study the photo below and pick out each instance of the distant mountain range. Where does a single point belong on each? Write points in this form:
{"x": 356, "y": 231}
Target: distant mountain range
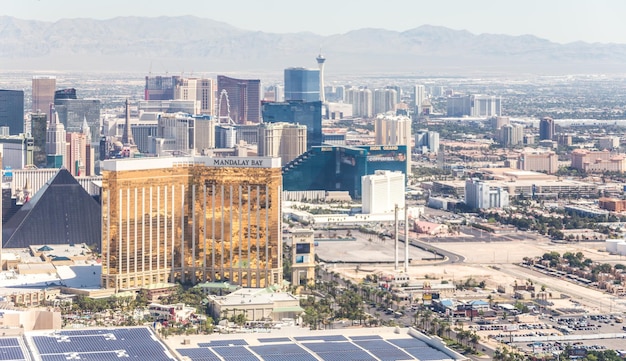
{"x": 190, "y": 44}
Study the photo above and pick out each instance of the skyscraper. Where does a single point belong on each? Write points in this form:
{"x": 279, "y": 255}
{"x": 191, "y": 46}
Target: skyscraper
{"x": 479, "y": 195}
{"x": 239, "y": 99}
{"x": 43, "y": 93}
{"x": 361, "y": 100}
{"x": 427, "y": 141}
{"x": 191, "y": 219}
{"x": 511, "y": 135}
{"x": 199, "y": 90}
{"x": 419, "y": 94}
{"x": 56, "y": 147}
{"x": 382, "y": 191}
{"x": 474, "y": 106}
{"x": 486, "y": 106}
{"x": 297, "y": 112}
{"x": 546, "y": 129}
{"x": 39, "y": 125}
{"x": 283, "y": 140}
{"x": 394, "y": 130}
{"x": 320, "y": 62}
{"x": 384, "y": 100}
{"x": 12, "y": 110}
{"x": 160, "y": 87}
{"x": 302, "y": 84}
{"x": 78, "y": 157}
{"x": 72, "y": 111}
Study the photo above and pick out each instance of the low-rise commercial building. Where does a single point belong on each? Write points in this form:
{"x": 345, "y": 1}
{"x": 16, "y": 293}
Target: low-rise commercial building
{"x": 257, "y": 304}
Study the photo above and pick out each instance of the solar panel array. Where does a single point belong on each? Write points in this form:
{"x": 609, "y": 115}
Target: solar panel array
{"x": 312, "y": 348}
{"x": 10, "y": 350}
{"x": 383, "y": 350}
{"x": 283, "y": 352}
{"x": 101, "y": 345}
{"x": 142, "y": 344}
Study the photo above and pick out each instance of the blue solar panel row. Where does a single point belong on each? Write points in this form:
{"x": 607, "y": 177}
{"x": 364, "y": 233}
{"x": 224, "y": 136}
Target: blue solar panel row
{"x": 408, "y": 342}
{"x": 11, "y": 341}
{"x": 13, "y": 353}
{"x": 101, "y": 345}
{"x": 366, "y": 337}
{"x": 321, "y": 338}
{"x": 235, "y": 353}
{"x": 218, "y": 343}
{"x": 383, "y": 350}
{"x": 327, "y": 348}
{"x": 427, "y": 353}
{"x": 199, "y": 354}
{"x": 283, "y": 352}
{"x": 274, "y": 339}
{"x": 54, "y": 358}
{"x": 338, "y": 351}
{"x": 346, "y": 356}
{"x": 330, "y": 346}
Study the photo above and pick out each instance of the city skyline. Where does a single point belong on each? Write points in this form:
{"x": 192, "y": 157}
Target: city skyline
{"x": 558, "y": 21}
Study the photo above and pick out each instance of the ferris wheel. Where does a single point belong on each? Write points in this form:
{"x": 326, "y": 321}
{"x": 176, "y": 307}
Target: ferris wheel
{"x": 224, "y": 119}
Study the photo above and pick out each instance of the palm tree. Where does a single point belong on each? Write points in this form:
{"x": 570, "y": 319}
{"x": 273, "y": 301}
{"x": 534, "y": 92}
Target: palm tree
{"x": 474, "y": 338}
{"x": 434, "y": 326}
{"x": 460, "y": 336}
{"x": 426, "y": 319}
{"x": 416, "y": 317}
{"x": 447, "y": 329}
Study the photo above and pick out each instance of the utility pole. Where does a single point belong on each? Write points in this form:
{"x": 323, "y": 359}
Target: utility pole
{"x": 406, "y": 239}
{"x": 395, "y": 213}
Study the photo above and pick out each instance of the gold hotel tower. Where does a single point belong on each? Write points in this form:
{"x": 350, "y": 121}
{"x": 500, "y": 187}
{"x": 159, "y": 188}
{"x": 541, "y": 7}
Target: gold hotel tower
{"x": 191, "y": 219}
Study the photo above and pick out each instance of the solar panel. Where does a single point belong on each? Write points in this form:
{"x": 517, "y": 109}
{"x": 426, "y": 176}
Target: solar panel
{"x": 13, "y": 353}
{"x": 100, "y": 345}
{"x": 338, "y": 351}
{"x": 321, "y": 338}
{"x": 199, "y": 354}
{"x": 274, "y": 339}
{"x": 61, "y": 357}
{"x": 408, "y": 342}
{"x": 383, "y": 350}
{"x": 9, "y": 342}
{"x": 366, "y": 337}
{"x": 218, "y": 343}
{"x": 235, "y": 353}
{"x": 427, "y": 354}
{"x": 283, "y": 352}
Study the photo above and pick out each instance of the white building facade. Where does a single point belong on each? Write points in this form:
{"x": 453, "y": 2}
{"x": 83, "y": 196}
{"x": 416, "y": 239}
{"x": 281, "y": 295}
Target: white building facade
{"x": 382, "y": 192}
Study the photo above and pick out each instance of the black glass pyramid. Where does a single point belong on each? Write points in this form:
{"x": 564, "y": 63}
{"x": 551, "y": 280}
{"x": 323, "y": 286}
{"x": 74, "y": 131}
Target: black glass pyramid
{"x": 61, "y": 212}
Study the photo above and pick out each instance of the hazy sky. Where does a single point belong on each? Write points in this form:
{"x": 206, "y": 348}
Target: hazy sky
{"x": 557, "y": 20}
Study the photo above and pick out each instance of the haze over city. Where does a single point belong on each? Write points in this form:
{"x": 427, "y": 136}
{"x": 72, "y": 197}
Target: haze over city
{"x": 327, "y": 180}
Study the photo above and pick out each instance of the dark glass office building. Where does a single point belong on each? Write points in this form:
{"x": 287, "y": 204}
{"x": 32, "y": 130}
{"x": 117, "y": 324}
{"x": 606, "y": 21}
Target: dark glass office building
{"x": 340, "y": 168}
{"x": 297, "y": 112}
{"x": 239, "y": 99}
{"x": 160, "y": 87}
{"x": 302, "y": 84}
{"x": 69, "y": 93}
{"x": 39, "y": 125}
{"x": 73, "y": 112}
{"x": 12, "y": 110}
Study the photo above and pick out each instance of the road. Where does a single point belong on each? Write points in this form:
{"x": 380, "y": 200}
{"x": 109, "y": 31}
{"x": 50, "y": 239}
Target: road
{"x": 449, "y": 256}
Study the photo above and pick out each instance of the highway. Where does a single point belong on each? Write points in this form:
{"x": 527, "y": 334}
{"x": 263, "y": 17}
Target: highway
{"x": 449, "y": 256}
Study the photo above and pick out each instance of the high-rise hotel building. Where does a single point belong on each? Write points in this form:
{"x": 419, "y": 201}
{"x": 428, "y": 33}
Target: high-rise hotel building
{"x": 191, "y": 219}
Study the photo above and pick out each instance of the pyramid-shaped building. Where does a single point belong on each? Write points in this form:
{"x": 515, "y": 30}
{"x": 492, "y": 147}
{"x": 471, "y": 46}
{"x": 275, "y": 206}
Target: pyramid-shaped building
{"x": 61, "y": 212}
